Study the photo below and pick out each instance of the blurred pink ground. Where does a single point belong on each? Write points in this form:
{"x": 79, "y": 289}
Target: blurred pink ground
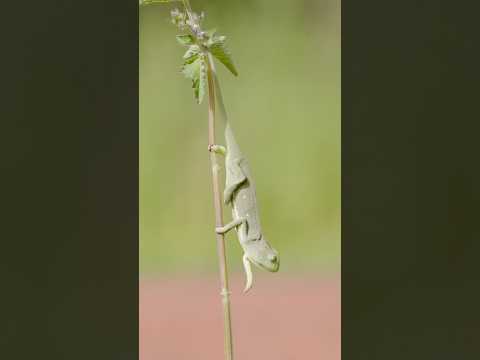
{"x": 280, "y": 318}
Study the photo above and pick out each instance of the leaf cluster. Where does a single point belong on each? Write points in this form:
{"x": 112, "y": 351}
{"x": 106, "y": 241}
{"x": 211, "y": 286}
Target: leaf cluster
{"x": 199, "y": 44}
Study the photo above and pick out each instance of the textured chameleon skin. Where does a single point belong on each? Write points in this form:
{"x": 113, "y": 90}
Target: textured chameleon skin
{"x": 240, "y": 194}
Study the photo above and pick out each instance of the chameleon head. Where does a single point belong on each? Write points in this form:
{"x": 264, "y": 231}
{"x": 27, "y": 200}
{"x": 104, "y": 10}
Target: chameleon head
{"x": 259, "y": 252}
{"x": 263, "y": 255}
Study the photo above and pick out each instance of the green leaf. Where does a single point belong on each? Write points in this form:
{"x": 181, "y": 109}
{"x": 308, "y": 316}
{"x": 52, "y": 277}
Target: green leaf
{"x": 192, "y": 70}
{"x": 185, "y": 39}
{"x": 192, "y": 53}
{"x": 217, "y": 48}
{"x": 197, "y": 72}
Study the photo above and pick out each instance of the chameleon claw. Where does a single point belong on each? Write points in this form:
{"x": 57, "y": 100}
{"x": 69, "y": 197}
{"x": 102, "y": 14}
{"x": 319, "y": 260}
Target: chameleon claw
{"x": 248, "y": 271}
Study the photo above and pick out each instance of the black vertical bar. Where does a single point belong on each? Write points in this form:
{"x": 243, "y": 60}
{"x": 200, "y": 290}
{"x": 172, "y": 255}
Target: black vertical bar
{"x": 410, "y": 180}
{"x": 69, "y": 257}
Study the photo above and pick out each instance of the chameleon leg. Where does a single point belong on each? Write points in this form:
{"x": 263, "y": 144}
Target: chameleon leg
{"x": 235, "y": 178}
{"x": 248, "y": 271}
{"x": 229, "y": 226}
{"x": 217, "y": 149}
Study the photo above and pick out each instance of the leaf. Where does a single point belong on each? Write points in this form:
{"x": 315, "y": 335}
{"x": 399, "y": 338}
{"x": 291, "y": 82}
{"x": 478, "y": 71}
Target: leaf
{"x": 185, "y": 39}
{"x": 192, "y": 53}
{"x": 197, "y": 72}
{"x": 192, "y": 70}
{"x": 217, "y": 47}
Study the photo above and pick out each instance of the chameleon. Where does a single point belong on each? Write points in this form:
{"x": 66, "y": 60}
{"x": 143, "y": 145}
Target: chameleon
{"x": 240, "y": 194}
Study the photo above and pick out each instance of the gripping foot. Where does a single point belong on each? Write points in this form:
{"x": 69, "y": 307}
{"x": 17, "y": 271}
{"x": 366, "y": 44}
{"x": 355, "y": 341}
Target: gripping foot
{"x": 217, "y": 149}
{"x": 229, "y": 226}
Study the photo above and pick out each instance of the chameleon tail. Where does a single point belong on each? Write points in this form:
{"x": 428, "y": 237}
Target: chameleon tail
{"x": 229, "y": 137}
{"x": 248, "y": 271}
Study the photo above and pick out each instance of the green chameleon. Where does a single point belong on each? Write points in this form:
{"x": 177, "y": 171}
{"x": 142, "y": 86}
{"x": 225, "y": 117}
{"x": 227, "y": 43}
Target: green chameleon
{"x": 240, "y": 194}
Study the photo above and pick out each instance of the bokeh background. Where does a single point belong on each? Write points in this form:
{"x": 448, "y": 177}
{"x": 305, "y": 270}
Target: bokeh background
{"x": 285, "y": 109}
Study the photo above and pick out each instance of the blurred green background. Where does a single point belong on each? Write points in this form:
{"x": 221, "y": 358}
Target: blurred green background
{"x": 285, "y": 109}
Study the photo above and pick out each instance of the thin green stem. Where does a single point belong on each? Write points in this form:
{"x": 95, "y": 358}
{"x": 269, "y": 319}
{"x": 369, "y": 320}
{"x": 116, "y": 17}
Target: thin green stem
{"x": 217, "y": 200}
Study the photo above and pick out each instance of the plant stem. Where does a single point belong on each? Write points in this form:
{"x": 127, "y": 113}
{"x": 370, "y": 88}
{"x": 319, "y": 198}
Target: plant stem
{"x": 219, "y": 214}
{"x": 217, "y": 201}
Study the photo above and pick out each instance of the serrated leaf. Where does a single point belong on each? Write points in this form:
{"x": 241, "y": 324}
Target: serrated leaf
{"x": 192, "y": 70}
{"x": 185, "y": 39}
{"x": 197, "y": 72}
{"x": 192, "y": 53}
{"x": 218, "y": 49}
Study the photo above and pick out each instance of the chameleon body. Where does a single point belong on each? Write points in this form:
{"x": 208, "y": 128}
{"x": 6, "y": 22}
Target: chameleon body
{"x": 240, "y": 194}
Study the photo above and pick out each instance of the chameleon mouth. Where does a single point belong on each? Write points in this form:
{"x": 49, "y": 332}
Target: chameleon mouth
{"x": 275, "y": 268}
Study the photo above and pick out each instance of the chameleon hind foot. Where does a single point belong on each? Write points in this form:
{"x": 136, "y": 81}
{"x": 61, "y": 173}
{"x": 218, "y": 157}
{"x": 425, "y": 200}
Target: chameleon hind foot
{"x": 217, "y": 149}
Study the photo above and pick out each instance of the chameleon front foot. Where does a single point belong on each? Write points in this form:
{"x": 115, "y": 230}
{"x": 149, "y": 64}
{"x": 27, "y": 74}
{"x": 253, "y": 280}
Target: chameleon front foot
{"x": 229, "y": 226}
{"x": 217, "y": 149}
